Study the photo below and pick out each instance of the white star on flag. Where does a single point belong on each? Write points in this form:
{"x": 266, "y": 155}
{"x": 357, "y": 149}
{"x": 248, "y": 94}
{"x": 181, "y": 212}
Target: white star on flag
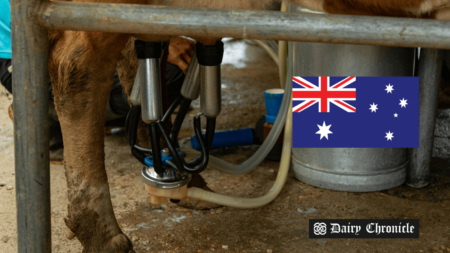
{"x": 389, "y": 136}
{"x": 395, "y": 115}
{"x": 324, "y": 131}
{"x": 373, "y": 107}
{"x": 403, "y": 102}
{"x": 389, "y": 88}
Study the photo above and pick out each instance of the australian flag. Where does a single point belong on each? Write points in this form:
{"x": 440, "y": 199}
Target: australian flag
{"x": 355, "y": 112}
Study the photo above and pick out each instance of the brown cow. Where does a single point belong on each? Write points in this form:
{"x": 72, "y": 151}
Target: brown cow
{"x": 82, "y": 65}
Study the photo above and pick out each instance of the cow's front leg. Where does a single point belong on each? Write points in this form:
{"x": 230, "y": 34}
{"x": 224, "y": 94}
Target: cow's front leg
{"x": 82, "y": 68}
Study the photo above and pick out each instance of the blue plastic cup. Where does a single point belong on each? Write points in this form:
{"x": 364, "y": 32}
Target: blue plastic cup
{"x": 273, "y": 99}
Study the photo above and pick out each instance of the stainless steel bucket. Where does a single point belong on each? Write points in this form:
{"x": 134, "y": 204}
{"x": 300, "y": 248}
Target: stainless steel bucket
{"x": 350, "y": 169}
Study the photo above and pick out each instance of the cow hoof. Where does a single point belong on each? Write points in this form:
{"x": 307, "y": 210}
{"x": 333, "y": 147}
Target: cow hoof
{"x": 120, "y": 243}
{"x": 198, "y": 204}
{"x": 69, "y": 234}
{"x": 56, "y": 156}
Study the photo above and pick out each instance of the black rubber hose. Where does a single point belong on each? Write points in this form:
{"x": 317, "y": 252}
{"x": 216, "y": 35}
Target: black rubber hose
{"x": 171, "y": 109}
{"x": 209, "y": 136}
{"x": 184, "y": 108}
{"x": 177, "y": 161}
{"x": 154, "y": 139}
{"x": 139, "y": 155}
{"x": 127, "y": 127}
{"x": 132, "y": 125}
{"x": 210, "y": 131}
{"x": 204, "y": 152}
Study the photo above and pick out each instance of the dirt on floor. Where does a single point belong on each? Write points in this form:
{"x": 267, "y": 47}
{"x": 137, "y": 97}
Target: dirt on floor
{"x": 281, "y": 226}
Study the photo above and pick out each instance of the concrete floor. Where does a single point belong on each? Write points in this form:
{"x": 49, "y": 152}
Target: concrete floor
{"x": 281, "y": 226}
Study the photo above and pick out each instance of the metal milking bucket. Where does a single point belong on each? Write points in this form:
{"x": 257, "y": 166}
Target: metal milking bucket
{"x": 350, "y": 169}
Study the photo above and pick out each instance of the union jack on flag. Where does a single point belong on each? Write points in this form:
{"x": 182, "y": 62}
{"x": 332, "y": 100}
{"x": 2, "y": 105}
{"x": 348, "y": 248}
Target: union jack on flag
{"x": 324, "y": 93}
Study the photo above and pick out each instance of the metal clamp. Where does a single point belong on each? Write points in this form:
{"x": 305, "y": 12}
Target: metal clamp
{"x": 169, "y": 180}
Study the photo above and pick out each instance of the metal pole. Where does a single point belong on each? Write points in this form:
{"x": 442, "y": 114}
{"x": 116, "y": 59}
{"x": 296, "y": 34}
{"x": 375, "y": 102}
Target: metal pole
{"x": 430, "y": 67}
{"x": 30, "y": 90}
{"x": 265, "y": 25}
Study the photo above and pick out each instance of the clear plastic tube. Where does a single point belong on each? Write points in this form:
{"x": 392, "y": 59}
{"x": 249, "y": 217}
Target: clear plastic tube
{"x": 268, "y": 144}
{"x": 272, "y": 53}
{"x": 197, "y": 193}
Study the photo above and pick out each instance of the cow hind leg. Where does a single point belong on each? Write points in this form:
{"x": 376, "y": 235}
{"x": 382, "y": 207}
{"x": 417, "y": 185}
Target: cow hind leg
{"x": 82, "y": 68}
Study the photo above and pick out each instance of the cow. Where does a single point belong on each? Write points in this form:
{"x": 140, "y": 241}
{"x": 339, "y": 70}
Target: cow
{"x": 82, "y": 65}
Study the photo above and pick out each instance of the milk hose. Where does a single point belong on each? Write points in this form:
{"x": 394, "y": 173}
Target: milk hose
{"x": 200, "y": 194}
{"x": 268, "y": 144}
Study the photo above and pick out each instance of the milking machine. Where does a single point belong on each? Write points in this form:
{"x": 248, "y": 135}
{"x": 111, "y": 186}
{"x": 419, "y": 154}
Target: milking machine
{"x": 165, "y": 172}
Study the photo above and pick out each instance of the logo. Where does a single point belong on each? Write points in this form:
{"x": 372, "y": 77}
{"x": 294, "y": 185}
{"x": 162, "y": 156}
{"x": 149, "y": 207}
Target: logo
{"x": 376, "y": 228}
{"x": 320, "y": 228}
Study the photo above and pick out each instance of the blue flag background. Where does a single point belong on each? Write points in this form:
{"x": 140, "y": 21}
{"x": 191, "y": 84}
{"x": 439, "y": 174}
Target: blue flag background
{"x": 363, "y": 128}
